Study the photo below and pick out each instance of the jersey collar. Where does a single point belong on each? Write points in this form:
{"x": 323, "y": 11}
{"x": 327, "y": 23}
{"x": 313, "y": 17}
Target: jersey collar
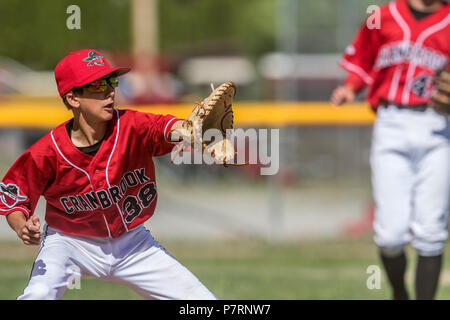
{"x": 73, "y": 156}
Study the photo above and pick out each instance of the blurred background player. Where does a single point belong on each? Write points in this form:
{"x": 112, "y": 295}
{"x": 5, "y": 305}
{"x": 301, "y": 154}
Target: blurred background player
{"x": 410, "y": 154}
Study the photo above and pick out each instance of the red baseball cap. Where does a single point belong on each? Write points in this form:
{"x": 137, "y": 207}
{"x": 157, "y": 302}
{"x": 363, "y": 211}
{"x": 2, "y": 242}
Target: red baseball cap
{"x": 82, "y": 67}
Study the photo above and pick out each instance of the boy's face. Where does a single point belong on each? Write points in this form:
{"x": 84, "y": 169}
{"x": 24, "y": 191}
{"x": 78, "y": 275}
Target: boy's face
{"x": 97, "y": 105}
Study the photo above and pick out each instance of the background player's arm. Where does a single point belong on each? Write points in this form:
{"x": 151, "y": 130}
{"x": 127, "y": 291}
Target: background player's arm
{"x": 358, "y": 60}
{"x": 27, "y": 230}
{"x": 342, "y": 94}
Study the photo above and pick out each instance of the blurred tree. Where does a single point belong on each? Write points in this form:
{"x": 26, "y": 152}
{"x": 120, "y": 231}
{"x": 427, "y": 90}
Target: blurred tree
{"x": 34, "y": 32}
{"x": 246, "y": 26}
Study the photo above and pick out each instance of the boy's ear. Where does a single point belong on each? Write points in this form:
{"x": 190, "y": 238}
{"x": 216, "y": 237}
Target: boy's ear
{"x": 72, "y": 99}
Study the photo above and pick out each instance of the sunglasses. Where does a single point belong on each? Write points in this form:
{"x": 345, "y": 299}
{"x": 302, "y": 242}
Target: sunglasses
{"x": 101, "y": 85}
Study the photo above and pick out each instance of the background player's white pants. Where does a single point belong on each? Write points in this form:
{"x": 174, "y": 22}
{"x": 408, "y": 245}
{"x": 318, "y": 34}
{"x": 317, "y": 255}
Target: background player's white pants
{"x": 410, "y": 160}
{"x": 135, "y": 259}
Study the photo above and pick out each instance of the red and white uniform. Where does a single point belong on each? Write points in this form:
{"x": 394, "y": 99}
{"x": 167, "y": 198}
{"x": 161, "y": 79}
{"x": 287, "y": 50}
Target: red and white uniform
{"x": 398, "y": 58}
{"x": 95, "y": 211}
{"x": 101, "y": 196}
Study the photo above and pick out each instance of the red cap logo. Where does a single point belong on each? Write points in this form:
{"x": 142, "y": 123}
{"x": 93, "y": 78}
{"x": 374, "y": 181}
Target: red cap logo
{"x": 94, "y": 59}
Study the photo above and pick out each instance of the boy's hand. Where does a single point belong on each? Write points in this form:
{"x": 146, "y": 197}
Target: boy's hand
{"x": 30, "y": 233}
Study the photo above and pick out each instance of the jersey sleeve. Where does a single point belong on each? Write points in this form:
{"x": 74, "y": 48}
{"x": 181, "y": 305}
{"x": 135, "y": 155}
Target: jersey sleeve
{"x": 23, "y": 184}
{"x": 359, "y": 57}
{"x": 155, "y": 129}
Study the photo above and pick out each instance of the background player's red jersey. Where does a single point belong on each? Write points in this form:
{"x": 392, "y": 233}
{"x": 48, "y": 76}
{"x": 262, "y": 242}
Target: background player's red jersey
{"x": 101, "y": 196}
{"x": 399, "y": 57}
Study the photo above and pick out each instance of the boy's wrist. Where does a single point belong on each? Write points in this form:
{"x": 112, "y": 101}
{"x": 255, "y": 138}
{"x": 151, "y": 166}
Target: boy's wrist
{"x": 16, "y": 220}
{"x": 175, "y": 134}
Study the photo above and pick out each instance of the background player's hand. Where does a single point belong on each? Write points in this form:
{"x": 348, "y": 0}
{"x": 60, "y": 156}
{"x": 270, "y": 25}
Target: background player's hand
{"x": 342, "y": 94}
{"x": 30, "y": 233}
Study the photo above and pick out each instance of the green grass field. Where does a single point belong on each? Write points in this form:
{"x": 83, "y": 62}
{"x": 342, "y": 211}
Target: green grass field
{"x": 245, "y": 270}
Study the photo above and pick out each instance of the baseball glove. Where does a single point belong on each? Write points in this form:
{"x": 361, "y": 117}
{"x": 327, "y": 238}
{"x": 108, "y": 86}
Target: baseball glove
{"x": 440, "y": 98}
{"x": 214, "y": 112}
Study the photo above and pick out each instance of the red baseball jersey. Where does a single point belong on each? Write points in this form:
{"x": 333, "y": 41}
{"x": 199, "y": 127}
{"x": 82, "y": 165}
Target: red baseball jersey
{"x": 398, "y": 57}
{"x": 99, "y": 196}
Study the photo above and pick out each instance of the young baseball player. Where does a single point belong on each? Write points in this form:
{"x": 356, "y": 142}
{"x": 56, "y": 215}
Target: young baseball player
{"x": 97, "y": 175}
{"x": 410, "y": 154}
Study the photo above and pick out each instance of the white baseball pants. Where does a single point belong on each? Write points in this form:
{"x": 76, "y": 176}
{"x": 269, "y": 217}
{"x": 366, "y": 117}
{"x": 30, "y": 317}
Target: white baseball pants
{"x": 410, "y": 161}
{"x": 135, "y": 259}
